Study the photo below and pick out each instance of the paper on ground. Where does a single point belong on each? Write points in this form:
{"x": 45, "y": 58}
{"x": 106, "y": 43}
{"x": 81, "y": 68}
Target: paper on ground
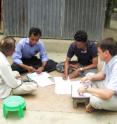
{"x": 76, "y": 86}
{"x": 42, "y": 79}
{"x": 62, "y": 86}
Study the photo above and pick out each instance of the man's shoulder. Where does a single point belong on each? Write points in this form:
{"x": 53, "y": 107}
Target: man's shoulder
{"x": 113, "y": 61}
{"x": 40, "y": 42}
{"x": 23, "y": 41}
{"x": 72, "y": 47}
{"x": 92, "y": 44}
{"x": 72, "y": 44}
{"x": 4, "y": 59}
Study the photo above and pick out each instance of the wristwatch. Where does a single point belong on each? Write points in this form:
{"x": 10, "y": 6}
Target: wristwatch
{"x": 81, "y": 69}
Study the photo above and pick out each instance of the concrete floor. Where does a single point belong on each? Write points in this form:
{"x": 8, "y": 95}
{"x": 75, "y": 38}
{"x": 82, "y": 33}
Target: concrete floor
{"x": 44, "y": 117}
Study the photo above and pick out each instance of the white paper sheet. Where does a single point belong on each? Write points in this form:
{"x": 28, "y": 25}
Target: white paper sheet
{"x": 62, "y": 86}
{"x": 42, "y": 79}
{"x": 76, "y": 86}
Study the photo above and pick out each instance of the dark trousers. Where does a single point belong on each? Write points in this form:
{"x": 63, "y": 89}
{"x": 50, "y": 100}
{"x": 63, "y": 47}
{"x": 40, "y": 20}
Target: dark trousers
{"x": 34, "y": 62}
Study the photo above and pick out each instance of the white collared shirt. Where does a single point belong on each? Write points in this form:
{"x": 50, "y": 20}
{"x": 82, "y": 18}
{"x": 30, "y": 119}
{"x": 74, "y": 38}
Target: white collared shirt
{"x": 110, "y": 71}
{"x": 7, "y": 79}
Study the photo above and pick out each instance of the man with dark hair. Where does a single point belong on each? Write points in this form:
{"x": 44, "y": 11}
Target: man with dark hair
{"x": 86, "y": 53}
{"x": 24, "y": 57}
{"x": 35, "y": 32}
{"x": 104, "y": 90}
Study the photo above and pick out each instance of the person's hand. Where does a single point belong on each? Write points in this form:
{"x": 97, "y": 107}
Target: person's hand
{"x": 75, "y": 74}
{"x": 82, "y": 90}
{"x": 75, "y": 66}
{"x": 65, "y": 76}
{"x": 31, "y": 69}
{"x": 85, "y": 79}
{"x": 18, "y": 77}
{"x": 40, "y": 69}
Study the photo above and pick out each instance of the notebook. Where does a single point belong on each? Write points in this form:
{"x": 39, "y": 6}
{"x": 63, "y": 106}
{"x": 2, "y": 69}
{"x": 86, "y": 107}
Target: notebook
{"x": 43, "y": 79}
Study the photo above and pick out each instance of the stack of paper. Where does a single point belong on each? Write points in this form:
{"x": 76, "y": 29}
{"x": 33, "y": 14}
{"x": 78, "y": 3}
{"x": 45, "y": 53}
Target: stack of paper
{"x": 42, "y": 79}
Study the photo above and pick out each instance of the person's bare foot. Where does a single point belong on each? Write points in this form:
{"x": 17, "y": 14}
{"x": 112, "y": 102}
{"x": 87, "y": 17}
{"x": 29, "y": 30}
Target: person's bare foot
{"x": 74, "y": 74}
{"x": 89, "y": 108}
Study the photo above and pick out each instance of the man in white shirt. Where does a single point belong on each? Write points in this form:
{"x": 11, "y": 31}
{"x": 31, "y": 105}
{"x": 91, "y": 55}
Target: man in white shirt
{"x": 8, "y": 83}
{"x": 104, "y": 90}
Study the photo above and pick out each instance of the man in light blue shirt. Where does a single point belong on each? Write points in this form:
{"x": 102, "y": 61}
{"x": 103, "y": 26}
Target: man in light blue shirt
{"x": 104, "y": 90}
{"x": 25, "y": 59}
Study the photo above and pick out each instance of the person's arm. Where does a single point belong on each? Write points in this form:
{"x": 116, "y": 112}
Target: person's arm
{"x": 66, "y": 66}
{"x": 43, "y": 56}
{"x": 70, "y": 54}
{"x": 40, "y": 69}
{"x": 91, "y": 66}
{"x": 96, "y": 77}
{"x": 8, "y": 76}
{"x": 93, "y": 53}
{"x": 80, "y": 69}
{"x": 44, "y": 64}
{"x": 17, "y": 55}
{"x": 101, "y": 93}
{"x": 28, "y": 68}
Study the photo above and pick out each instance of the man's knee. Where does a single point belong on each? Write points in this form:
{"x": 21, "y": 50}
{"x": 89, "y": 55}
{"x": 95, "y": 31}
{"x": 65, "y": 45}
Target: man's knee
{"x": 96, "y": 102}
{"x": 51, "y": 66}
{"x": 16, "y": 67}
{"x": 26, "y": 88}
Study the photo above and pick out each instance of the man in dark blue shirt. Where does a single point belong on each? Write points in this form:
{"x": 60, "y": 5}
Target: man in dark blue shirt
{"x": 86, "y": 53}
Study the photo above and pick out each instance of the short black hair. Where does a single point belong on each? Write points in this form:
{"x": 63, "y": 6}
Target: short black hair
{"x": 35, "y": 31}
{"x": 81, "y": 36}
{"x": 108, "y": 44}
